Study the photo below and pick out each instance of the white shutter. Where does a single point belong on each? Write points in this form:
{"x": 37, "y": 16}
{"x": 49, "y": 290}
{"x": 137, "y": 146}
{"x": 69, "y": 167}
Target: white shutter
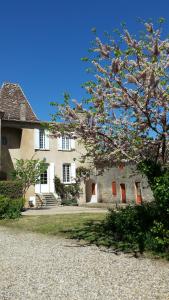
{"x": 52, "y": 177}
{"x": 59, "y": 139}
{"x": 46, "y": 140}
{"x": 36, "y": 138}
{"x": 73, "y": 172}
{"x": 37, "y": 188}
{"x": 72, "y": 144}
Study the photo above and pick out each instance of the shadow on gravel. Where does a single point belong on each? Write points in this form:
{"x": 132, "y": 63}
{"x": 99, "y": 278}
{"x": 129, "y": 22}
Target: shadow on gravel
{"x": 92, "y": 232}
{"x": 96, "y": 233}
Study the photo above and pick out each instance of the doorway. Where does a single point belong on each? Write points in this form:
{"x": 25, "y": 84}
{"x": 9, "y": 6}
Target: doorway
{"x": 123, "y": 192}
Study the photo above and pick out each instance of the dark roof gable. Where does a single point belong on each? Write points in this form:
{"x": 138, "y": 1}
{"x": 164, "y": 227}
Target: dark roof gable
{"x": 14, "y": 103}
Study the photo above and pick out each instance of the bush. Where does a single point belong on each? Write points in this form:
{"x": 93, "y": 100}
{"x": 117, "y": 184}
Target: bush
{"x": 11, "y": 208}
{"x": 11, "y": 189}
{"x": 158, "y": 238}
{"x": 68, "y": 193}
{"x": 69, "y": 202}
{"x": 130, "y": 225}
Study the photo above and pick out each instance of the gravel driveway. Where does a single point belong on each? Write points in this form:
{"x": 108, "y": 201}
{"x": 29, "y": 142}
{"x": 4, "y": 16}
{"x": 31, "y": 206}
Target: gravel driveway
{"x": 38, "y": 267}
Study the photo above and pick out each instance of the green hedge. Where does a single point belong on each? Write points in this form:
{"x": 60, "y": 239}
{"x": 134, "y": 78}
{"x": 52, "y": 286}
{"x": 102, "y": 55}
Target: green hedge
{"x": 10, "y": 208}
{"x": 11, "y": 189}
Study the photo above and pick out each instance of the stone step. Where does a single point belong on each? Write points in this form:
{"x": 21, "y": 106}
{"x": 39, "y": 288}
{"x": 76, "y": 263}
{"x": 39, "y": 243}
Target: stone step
{"x": 48, "y": 200}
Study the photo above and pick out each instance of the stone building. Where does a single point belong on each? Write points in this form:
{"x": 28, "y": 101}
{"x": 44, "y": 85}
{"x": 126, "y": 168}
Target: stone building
{"x": 22, "y": 136}
{"x": 121, "y": 184}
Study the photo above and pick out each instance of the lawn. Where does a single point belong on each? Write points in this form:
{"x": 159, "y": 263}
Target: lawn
{"x": 62, "y": 225}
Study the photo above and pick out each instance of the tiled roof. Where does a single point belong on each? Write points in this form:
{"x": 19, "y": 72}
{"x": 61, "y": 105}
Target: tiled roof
{"x": 12, "y": 101}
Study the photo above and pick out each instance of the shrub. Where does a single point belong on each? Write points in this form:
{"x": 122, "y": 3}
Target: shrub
{"x": 68, "y": 193}
{"x": 10, "y": 208}
{"x": 11, "y": 189}
{"x": 69, "y": 202}
{"x": 158, "y": 238}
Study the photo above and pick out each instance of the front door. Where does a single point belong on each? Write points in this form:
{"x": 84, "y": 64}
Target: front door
{"x": 46, "y": 184}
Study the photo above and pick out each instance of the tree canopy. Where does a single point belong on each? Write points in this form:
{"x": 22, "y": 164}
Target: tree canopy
{"x": 125, "y": 116}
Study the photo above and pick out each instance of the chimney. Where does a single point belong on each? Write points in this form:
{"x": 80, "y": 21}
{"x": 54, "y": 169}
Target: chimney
{"x": 22, "y": 111}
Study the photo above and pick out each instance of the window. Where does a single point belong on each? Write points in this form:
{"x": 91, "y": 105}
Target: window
{"x": 41, "y": 139}
{"x": 66, "y": 143}
{"x": 114, "y": 190}
{"x": 44, "y": 178}
{"x": 66, "y": 173}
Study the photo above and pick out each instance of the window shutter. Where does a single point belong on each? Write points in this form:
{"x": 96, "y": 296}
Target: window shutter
{"x": 52, "y": 177}
{"x": 36, "y": 138}
{"x": 73, "y": 172}
{"x": 46, "y": 139}
{"x": 59, "y": 140}
{"x": 72, "y": 144}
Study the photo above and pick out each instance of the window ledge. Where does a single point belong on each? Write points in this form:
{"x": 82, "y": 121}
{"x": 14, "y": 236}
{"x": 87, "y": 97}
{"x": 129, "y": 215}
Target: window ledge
{"x": 64, "y": 150}
{"x": 42, "y": 149}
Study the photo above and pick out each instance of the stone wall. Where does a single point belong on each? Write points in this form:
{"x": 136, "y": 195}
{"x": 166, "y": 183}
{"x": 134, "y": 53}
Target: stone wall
{"x": 126, "y": 175}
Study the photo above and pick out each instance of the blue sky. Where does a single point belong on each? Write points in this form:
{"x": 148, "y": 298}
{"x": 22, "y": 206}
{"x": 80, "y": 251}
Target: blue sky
{"x": 42, "y": 41}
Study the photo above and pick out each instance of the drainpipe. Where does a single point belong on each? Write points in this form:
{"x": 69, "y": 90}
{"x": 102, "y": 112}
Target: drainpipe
{"x": 1, "y": 116}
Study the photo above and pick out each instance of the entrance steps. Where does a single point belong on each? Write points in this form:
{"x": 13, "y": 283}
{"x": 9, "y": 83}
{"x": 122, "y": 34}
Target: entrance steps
{"x": 47, "y": 200}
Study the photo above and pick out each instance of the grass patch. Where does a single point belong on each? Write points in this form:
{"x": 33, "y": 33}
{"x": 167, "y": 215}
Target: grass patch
{"x": 62, "y": 225}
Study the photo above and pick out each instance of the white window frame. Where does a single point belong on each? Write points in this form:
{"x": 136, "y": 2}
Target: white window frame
{"x": 66, "y": 168}
{"x": 42, "y": 139}
{"x": 66, "y": 143}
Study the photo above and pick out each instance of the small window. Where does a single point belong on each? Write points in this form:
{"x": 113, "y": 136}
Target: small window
{"x": 44, "y": 178}
{"x": 66, "y": 143}
{"x": 41, "y": 139}
{"x": 138, "y": 193}
{"x": 66, "y": 173}
{"x": 114, "y": 190}
{"x": 123, "y": 192}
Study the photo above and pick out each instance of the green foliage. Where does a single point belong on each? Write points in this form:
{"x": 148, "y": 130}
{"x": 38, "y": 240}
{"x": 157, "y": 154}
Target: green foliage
{"x": 82, "y": 172}
{"x": 59, "y": 187}
{"x": 11, "y": 189}
{"x": 68, "y": 193}
{"x": 28, "y": 172}
{"x": 151, "y": 169}
{"x": 69, "y": 202}
{"x": 10, "y": 208}
{"x": 130, "y": 225}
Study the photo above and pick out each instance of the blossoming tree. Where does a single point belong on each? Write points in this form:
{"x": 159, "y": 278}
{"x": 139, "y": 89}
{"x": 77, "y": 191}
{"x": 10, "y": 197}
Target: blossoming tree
{"x": 126, "y": 116}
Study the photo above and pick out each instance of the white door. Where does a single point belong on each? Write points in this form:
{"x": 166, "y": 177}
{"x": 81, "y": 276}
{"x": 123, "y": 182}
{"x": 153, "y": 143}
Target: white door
{"x": 46, "y": 184}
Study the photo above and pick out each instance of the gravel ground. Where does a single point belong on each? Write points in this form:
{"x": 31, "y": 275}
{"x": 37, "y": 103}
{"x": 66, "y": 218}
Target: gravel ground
{"x": 34, "y": 266}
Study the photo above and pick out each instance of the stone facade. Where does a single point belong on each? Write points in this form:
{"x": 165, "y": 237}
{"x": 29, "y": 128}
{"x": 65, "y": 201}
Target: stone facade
{"x": 120, "y": 184}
